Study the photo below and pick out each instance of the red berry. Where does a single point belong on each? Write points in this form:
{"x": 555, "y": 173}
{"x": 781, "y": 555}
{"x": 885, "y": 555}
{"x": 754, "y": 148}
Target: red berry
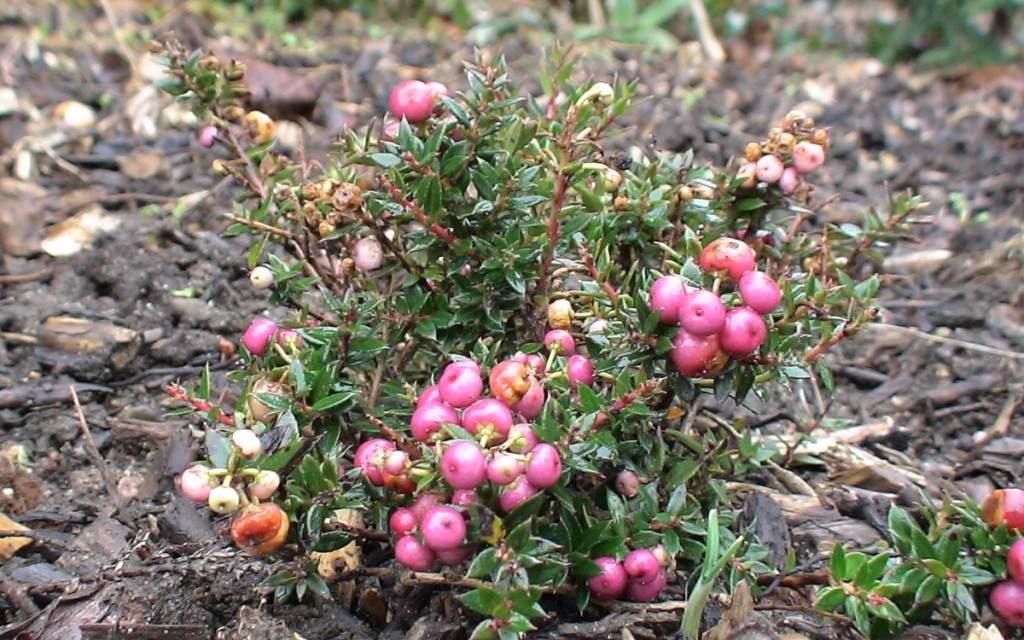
{"x": 743, "y": 332}
{"x": 760, "y": 292}
{"x": 697, "y": 356}
{"x": 545, "y": 466}
{"x": 504, "y": 468}
{"x": 532, "y": 403}
{"x": 769, "y": 169}
{"x": 702, "y": 313}
{"x": 611, "y": 582}
{"x": 808, "y": 157}
{"x": 667, "y": 296}
{"x": 1015, "y": 561}
{"x": 559, "y": 340}
{"x": 412, "y": 100}
{"x": 580, "y": 371}
{"x": 729, "y": 255}
{"x": 641, "y": 565}
{"x": 519, "y": 492}
{"x": 645, "y": 592}
{"x": 488, "y": 418}
{"x": 195, "y": 483}
{"x": 257, "y": 337}
{"x": 428, "y": 419}
{"x": 414, "y": 554}
{"x": 259, "y": 529}
{"x": 1004, "y": 506}
{"x": 509, "y": 381}
{"x": 403, "y": 522}
{"x": 443, "y": 528}
{"x": 464, "y": 465}
{"x": 1007, "y": 600}
{"x": 371, "y": 456}
{"x": 460, "y": 384}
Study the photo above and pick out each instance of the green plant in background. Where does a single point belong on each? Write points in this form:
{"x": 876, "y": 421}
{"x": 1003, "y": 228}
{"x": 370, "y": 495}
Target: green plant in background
{"x": 938, "y": 561}
{"x": 948, "y": 33}
{"x": 484, "y": 251}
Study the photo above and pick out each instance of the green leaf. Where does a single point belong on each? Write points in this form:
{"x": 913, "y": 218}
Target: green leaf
{"x": 830, "y": 598}
{"x": 837, "y": 564}
{"x": 483, "y": 600}
{"x": 484, "y": 563}
{"x": 332, "y": 401}
{"x": 218, "y": 448}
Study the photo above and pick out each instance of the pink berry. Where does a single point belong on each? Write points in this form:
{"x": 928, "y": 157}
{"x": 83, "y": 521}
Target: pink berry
{"x": 414, "y": 554}
{"x": 627, "y": 483}
{"x": 560, "y": 340}
{"x": 391, "y": 129}
{"x": 461, "y": 384}
{"x": 504, "y": 468}
{"x": 662, "y": 554}
{"x": 428, "y": 420}
{"x": 667, "y": 295}
{"x": 421, "y": 505}
{"x": 443, "y": 528}
{"x": 769, "y": 168}
{"x": 430, "y": 394}
{"x": 261, "y": 277}
{"x": 395, "y": 462}
{"x": 265, "y": 484}
{"x": 641, "y": 565}
{"x": 729, "y": 255}
{"x": 1015, "y": 561}
{"x": 464, "y": 465}
{"x": 371, "y": 456}
{"x": 464, "y": 498}
{"x": 519, "y": 492}
{"x": 808, "y": 157}
{"x": 645, "y": 592}
{"x": 702, "y": 313}
{"x": 580, "y": 371}
{"x": 195, "y": 483}
{"x": 534, "y": 362}
{"x": 368, "y": 254}
{"x": 743, "y": 332}
{"x": 611, "y": 582}
{"x": 437, "y": 91}
{"x": 697, "y": 356}
{"x": 545, "y": 466}
{"x": 1007, "y": 600}
{"x": 247, "y": 443}
{"x": 790, "y": 181}
{"x": 257, "y": 337}
{"x": 288, "y": 337}
{"x": 207, "y": 135}
{"x": 488, "y": 418}
{"x": 748, "y": 174}
{"x": 597, "y": 326}
{"x": 403, "y": 522}
{"x": 458, "y": 555}
{"x": 522, "y": 438}
{"x": 760, "y": 292}
{"x": 412, "y": 100}
{"x": 532, "y": 404}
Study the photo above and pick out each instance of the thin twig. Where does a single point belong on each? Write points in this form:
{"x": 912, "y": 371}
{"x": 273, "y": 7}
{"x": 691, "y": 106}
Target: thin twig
{"x": 94, "y": 453}
{"x": 963, "y": 344}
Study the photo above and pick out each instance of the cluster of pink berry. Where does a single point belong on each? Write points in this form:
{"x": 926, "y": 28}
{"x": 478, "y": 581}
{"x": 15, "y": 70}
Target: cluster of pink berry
{"x": 262, "y": 332}
{"x": 640, "y": 576}
{"x": 1006, "y": 506}
{"x": 504, "y": 451}
{"x": 791, "y": 151}
{"x": 709, "y": 333}
{"x": 414, "y": 101}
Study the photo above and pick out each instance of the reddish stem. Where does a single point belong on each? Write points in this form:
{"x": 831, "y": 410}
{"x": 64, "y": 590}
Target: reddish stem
{"x": 200, "y": 406}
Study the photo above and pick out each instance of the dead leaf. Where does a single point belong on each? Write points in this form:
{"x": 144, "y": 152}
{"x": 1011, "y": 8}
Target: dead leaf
{"x": 347, "y": 556}
{"x": 277, "y": 91}
{"x": 10, "y": 546}
{"x": 142, "y": 166}
{"x": 21, "y": 219}
{"x": 978, "y": 632}
{"x": 77, "y": 232}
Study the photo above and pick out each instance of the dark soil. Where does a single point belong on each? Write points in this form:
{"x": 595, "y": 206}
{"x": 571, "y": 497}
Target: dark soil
{"x": 114, "y": 548}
